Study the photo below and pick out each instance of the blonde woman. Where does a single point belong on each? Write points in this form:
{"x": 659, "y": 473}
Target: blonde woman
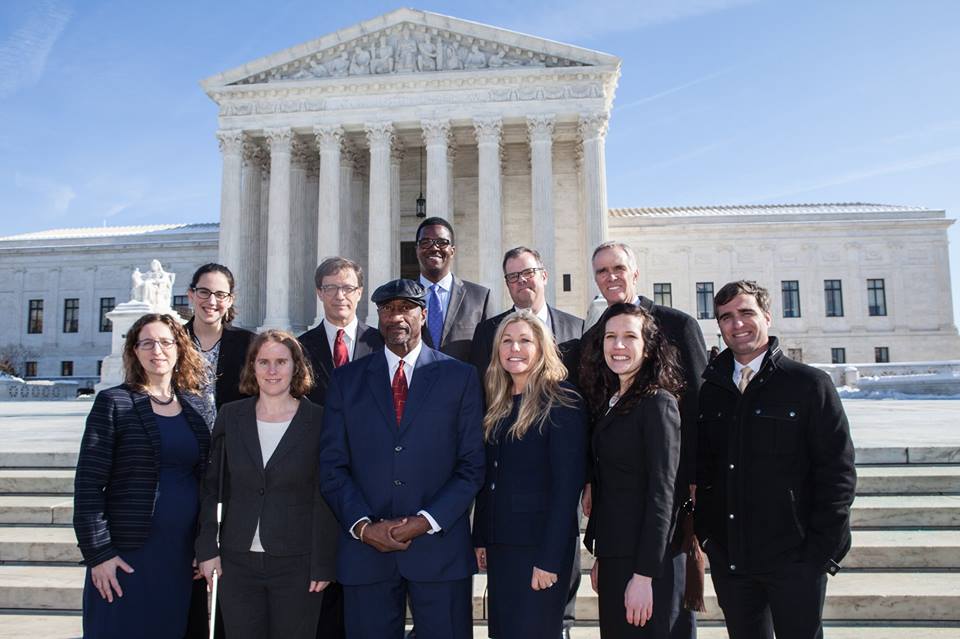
{"x": 525, "y": 522}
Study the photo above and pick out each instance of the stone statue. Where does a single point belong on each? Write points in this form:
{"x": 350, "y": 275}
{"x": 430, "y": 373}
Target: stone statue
{"x": 426, "y": 55}
{"x": 383, "y": 63}
{"x": 407, "y": 53}
{"x": 339, "y": 66}
{"x": 451, "y": 57}
{"x": 136, "y": 288}
{"x": 318, "y": 69}
{"x": 477, "y": 59}
{"x": 496, "y": 61}
{"x": 360, "y": 62}
{"x": 157, "y": 286}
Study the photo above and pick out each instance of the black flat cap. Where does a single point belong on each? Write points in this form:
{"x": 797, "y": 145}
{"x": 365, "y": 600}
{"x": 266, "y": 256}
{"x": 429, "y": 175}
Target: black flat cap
{"x": 400, "y": 290}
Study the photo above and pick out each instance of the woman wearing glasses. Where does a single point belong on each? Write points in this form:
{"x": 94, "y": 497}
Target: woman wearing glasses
{"x": 136, "y": 492}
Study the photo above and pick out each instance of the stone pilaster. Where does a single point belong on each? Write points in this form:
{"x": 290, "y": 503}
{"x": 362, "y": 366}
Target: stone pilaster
{"x": 540, "y": 132}
{"x": 231, "y": 146}
{"x": 329, "y": 142}
{"x": 278, "y": 239}
{"x": 451, "y": 183}
{"x": 396, "y": 159}
{"x": 593, "y": 132}
{"x": 380, "y": 138}
{"x": 489, "y": 133}
{"x": 436, "y": 137}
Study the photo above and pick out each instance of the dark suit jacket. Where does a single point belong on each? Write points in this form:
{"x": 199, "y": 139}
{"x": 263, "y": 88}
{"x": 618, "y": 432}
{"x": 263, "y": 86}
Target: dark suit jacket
{"x": 635, "y": 457}
{"x": 233, "y": 353}
{"x": 537, "y": 481}
{"x": 118, "y": 471}
{"x": 284, "y": 496}
{"x": 315, "y": 343}
{"x": 432, "y": 461}
{"x": 467, "y": 308}
{"x": 567, "y": 331}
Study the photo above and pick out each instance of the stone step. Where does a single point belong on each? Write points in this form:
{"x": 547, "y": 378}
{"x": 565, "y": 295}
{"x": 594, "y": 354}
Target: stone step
{"x": 43, "y": 481}
{"x": 910, "y": 510}
{"x": 32, "y": 509}
{"x": 876, "y": 596}
{"x": 908, "y": 479}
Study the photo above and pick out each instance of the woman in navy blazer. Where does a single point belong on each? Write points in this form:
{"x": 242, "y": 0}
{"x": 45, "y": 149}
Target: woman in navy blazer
{"x": 525, "y": 522}
{"x": 631, "y": 381}
{"x": 136, "y": 487}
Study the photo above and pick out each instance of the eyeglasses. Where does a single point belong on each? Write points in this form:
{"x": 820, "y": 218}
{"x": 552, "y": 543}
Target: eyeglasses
{"x": 427, "y": 242}
{"x": 205, "y": 293}
{"x": 527, "y": 273}
{"x": 150, "y": 344}
{"x": 330, "y": 290}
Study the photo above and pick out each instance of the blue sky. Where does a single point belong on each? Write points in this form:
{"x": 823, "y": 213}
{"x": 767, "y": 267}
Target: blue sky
{"x": 720, "y": 101}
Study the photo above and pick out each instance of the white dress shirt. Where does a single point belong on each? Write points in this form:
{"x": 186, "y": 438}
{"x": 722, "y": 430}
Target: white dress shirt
{"x": 349, "y": 335}
{"x": 543, "y": 315}
{"x": 443, "y": 291}
{"x": 754, "y": 365}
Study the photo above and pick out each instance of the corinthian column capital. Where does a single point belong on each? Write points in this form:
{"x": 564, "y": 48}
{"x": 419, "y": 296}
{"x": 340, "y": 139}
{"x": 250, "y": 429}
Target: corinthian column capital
{"x": 488, "y": 130}
{"x": 379, "y": 133}
{"x": 230, "y": 141}
{"x": 435, "y": 131}
{"x": 592, "y": 126}
{"x": 279, "y": 139}
{"x": 329, "y": 137}
{"x": 540, "y": 128}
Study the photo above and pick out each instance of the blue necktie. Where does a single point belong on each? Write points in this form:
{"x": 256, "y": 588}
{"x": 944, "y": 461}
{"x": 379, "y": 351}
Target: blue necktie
{"x": 435, "y": 317}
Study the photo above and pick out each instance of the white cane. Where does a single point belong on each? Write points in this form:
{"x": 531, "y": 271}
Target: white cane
{"x": 216, "y": 576}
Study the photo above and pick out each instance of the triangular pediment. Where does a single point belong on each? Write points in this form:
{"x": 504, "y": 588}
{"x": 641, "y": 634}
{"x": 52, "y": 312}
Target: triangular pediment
{"x": 409, "y": 41}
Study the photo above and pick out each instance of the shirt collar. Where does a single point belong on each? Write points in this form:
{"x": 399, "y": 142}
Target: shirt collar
{"x": 543, "y": 315}
{"x": 350, "y": 330}
{"x": 409, "y": 360}
{"x": 754, "y": 365}
{"x": 445, "y": 283}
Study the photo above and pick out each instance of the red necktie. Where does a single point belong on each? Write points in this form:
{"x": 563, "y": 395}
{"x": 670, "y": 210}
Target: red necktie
{"x": 399, "y": 387}
{"x": 340, "y": 355}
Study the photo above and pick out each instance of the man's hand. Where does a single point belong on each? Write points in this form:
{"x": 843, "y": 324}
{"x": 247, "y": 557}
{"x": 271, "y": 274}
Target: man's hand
{"x": 409, "y": 529}
{"x": 481, "y": 558}
{"x": 378, "y": 535}
{"x": 317, "y": 586}
{"x": 541, "y": 579}
{"x": 208, "y": 567}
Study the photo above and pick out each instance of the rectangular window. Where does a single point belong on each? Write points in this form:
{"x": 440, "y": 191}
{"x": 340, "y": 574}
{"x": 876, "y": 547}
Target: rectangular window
{"x": 66, "y": 368}
{"x": 663, "y": 294}
{"x": 29, "y": 369}
{"x": 876, "y": 298}
{"x": 833, "y": 298}
{"x": 796, "y": 354}
{"x": 791, "y": 298}
{"x": 181, "y": 304}
{"x": 704, "y": 300}
{"x": 881, "y": 354}
{"x": 838, "y": 355}
{"x": 106, "y": 305}
{"x": 35, "y": 317}
{"x": 71, "y": 315}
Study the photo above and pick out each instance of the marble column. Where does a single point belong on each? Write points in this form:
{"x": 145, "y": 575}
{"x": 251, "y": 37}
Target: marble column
{"x": 593, "y": 131}
{"x": 540, "y": 131}
{"x": 380, "y": 138}
{"x": 329, "y": 141}
{"x": 247, "y": 276}
{"x": 278, "y": 238}
{"x": 264, "y": 231}
{"x": 299, "y": 158}
{"x": 489, "y": 206}
{"x": 347, "y": 166}
{"x": 451, "y": 184}
{"x": 310, "y": 235}
{"x": 231, "y": 146}
{"x": 396, "y": 159}
{"x": 436, "y": 137}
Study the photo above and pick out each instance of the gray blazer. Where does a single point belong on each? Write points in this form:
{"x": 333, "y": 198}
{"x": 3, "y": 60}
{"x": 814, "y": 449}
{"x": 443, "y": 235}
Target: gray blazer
{"x": 284, "y": 496}
{"x": 468, "y": 307}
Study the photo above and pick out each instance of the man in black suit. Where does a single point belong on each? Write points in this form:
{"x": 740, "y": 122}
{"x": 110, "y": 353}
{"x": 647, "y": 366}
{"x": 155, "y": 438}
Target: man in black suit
{"x": 616, "y": 274}
{"x": 454, "y": 307}
{"x": 339, "y": 338}
{"x": 775, "y": 476}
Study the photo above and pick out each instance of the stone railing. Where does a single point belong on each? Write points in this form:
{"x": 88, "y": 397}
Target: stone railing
{"x": 16, "y": 390}
{"x": 907, "y": 378}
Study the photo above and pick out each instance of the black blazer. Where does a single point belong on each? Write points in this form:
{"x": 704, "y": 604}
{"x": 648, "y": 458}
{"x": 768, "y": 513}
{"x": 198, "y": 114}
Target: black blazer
{"x": 118, "y": 471}
{"x": 233, "y": 353}
{"x": 567, "y": 331}
{"x": 284, "y": 497}
{"x": 635, "y": 459}
{"x": 467, "y": 308}
{"x": 537, "y": 483}
{"x": 315, "y": 343}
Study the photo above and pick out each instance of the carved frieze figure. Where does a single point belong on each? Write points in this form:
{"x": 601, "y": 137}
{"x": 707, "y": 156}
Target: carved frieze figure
{"x": 360, "y": 62}
{"x": 340, "y": 65}
{"x": 451, "y": 57}
{"x": 383, "y": 63}
{"x": 426, "y": 55}
{"x": 477, "y": 59}
{"x": 407, "y": 53}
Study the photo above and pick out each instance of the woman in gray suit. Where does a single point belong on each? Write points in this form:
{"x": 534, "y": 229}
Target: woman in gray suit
{"x": 278, "y": 537}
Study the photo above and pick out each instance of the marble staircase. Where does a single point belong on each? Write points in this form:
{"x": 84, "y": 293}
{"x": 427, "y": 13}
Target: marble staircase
{"x": 901, "y": 578}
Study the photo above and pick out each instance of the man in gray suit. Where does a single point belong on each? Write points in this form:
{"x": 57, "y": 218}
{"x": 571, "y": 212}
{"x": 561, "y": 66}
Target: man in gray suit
{"x": 454, "y": 307}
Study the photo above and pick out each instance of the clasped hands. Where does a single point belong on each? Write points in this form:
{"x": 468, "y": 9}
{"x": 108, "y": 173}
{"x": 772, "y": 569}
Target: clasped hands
{"x": 389, "y": 535}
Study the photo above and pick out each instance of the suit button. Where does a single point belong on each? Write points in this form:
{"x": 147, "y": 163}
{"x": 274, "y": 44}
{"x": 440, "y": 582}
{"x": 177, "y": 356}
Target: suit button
{"x": 731, "y": 466}
{"x": 756, "y": 412}
{"x": 793, "y": 414}
{"x": 397, "y": 482}
{"x": 261, "y": 491}
{"x": 493, "y": 486}
{"x": 733, "y": 566}
{"x": 398, "y": 449}
{"x": 731, "y": 515}
{"x": 496, "y": 463}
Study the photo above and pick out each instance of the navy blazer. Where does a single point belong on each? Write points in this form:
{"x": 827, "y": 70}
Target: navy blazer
{"x": 532, "y": 487}
{"x": 233, "y": 355}
{"x": 118, "y": 471}
{"x": 315, "y": 343}
{"x": 433, "y": 460}
{"x": 467, "y": 308}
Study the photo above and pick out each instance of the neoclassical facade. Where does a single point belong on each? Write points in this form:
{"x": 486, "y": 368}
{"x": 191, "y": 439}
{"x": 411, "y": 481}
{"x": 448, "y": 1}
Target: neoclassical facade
{"x": 327, "y": 146}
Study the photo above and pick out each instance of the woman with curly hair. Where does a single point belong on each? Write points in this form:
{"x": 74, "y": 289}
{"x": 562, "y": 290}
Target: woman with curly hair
{"x": 525, "y": 522}
{"x": 136, "y": 492}
{"x": 631, "y": 379}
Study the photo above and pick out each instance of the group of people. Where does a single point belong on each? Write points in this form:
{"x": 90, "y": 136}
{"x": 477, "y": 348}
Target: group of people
{"x": 326, "y": 482}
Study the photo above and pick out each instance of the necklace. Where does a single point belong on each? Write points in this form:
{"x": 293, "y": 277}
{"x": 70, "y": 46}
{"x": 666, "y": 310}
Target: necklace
{"x": 162, "y": 402}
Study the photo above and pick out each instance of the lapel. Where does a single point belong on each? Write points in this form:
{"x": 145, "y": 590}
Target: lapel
{"x": 294, "y": 434}
{"x": 457, "y": 294}
{"x": 419, "y": 393}
{"x": 378, "y": 383}
{"x": 247, "y": 424}
{"x": 141, "y": 402}
{"x": 361, "y": 346}
{"x": 324, "y": 356}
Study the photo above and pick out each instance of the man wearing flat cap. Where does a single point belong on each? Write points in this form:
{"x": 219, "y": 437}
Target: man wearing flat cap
{"x": 401, "y": 460}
